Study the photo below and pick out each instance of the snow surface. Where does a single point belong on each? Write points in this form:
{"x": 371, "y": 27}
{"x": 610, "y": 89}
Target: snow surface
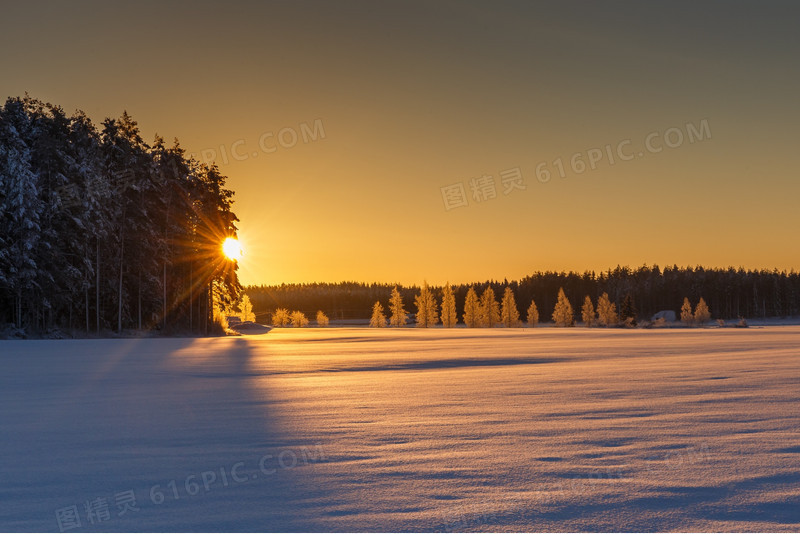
{"x": 358, "y": 429}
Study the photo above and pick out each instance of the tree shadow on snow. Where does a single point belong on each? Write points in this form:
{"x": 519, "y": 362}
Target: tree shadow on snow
{"x": 149, "y": 435}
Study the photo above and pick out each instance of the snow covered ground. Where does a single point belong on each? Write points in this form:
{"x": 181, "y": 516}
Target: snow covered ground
{"x": 359, "y": 429}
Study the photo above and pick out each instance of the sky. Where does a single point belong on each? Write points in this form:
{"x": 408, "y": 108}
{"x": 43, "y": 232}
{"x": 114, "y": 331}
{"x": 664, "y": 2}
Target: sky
{"x": 453, "y": 141}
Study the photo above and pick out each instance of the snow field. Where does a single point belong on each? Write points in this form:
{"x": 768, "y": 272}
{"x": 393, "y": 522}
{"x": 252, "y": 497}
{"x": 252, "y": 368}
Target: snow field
{"x": 386, "y": 429}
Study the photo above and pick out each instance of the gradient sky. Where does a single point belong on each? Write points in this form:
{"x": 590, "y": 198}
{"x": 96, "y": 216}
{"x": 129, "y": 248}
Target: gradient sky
{"x": 414, "y": 97}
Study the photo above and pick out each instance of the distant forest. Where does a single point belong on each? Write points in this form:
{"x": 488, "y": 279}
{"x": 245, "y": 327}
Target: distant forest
{"x": 730, "y": 293}
{"x": 102, "y": 231}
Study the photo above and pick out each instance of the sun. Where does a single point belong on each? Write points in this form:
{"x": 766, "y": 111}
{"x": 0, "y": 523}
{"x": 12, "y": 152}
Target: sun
{"x": 232, "y": 249}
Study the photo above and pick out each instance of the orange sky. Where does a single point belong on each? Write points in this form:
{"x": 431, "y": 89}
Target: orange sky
{"x": 398, "y": 100}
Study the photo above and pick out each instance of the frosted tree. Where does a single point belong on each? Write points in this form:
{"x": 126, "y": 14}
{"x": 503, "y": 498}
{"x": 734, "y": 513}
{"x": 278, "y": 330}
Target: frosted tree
{"x": 280, "y": 317}
{"x": 449, "y": 317}
{"x": 472, "y": 309}
{"x": 299, "y": 319}
{"x": 509, "y": 314}
{"x": 433, "y": 309}
{"x": 246, "y": 308}
{"x": 399, "y": 316}
{"x": 701, "y": 313}
{"x": 427, "y": 314}
{"x": 20, "y": 209}
{"x": 490, "y": 309}
{"x": 588, "y": 315}
{"x": 322, "y": 319}
{"x": 563, "y": 314}
{"x": 124, "y": 153}
{"x": 533, "y": 315}
{"x": 94, "y": 206}
{"x": 606, "y": 311}
{"x": 62, "y": 231}
{"x": 687, "y": 317}
{"x": 378, "y": 319}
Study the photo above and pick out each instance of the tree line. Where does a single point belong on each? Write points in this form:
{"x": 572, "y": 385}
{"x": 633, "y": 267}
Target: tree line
{"x": 100, "y": 230}
{"x": 486, "y": 312}
{"x": 731, "y": 293}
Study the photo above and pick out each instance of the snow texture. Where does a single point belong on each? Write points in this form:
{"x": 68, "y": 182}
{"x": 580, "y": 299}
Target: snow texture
{"x": 402, "y": 429}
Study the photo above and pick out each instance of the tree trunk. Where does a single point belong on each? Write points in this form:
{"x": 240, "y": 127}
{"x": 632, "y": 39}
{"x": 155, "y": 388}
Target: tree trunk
{"x": 18, "y": 308}
{"x": 97, "y": 287}
{"x": 191, "y": 293}
{"x": 140, "y": 299}
{"x": 119, "y": 298}
{"x": 211, "y": 303}
{"x": 164, "y": 318}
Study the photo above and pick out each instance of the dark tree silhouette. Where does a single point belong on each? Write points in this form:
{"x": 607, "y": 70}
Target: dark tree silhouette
{"x": 99, "y": 230}
{"x": 627, "y": 312}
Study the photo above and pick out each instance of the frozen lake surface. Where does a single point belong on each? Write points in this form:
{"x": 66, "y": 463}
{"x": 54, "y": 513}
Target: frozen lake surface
{"x": 357, "y": 429}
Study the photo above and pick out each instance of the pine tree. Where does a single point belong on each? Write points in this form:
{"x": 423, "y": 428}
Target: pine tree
{"x": 606, "y": 311}
{"x": 427, "y": 314}
{"x": 563, "y": 314}
{"x": 533, "y": 315}
{"x": 588, "y": 315}
{"x": 433, "y": 309}
{"x": 378, "y": 319}
{"x": 449, "y": 317}
{"x": 489, "y": 309}
{"x": 472, "y": 309}
{"x": 92, "y": 208}
{"x": 399, "y": 316}
{"x": 20, "y": 208}
{"x": 687, "y": 317}
{"x": 701, "y": 313}
{"x": 628, "y": 311}
{"x": 322, "y": 319}
{"x": 299, "y": 319}
{"x": 509, "y": 314}
{"x": 59, "y": 266}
